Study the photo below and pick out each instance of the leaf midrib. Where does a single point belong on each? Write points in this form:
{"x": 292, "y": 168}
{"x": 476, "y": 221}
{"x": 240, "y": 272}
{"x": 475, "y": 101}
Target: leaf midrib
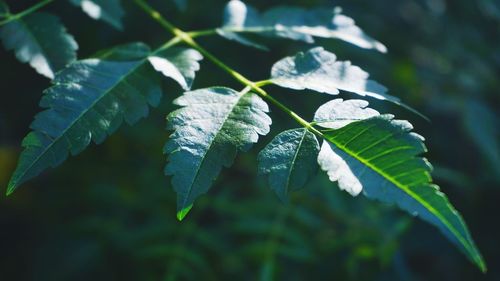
{"x": 415, "y": 196}
{"x": 198, "y": 168}
{"x": 57, "y": 139}
{"x": 305, "y": 131}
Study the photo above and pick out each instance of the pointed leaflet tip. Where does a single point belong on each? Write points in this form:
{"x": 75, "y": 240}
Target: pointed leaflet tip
{"x": 10, "y": 189}
{"x": 183, "y": 213}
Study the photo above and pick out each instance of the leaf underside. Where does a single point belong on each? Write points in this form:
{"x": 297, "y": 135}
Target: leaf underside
{"x": 209, "y": 129}
{"x": 380, "y": 157}
{"x": 110, "y": 11}
{"x": 40, "y": 40}
{"x": 293, "y": 23}
{"x": 89, "y": 100}
{"x": 289, "y": 161}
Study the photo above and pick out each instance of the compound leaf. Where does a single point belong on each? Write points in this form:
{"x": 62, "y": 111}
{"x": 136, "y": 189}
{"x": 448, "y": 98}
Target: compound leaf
{"x": 209, "y": 129}
{"x": 289, "y": 161}
{"x": 41, "y": 40}
{"x": 88, "y": 101}
{"x": 110, "y": 11}
{"x": 294, "y": 23}
{"x": 380, "y": 156}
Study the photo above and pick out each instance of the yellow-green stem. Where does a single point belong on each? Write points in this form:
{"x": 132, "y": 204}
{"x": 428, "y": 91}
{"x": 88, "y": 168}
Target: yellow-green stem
{"x": 256, "y": 86}
{"x": 26, "y": 12}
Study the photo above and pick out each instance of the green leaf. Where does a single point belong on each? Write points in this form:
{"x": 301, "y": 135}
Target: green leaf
{"x": 380, "y": 156}
{"x": 338, "y": 113}
{"x": 125, "y": 52}
{"x": 40, "y": 40}
{"x": 209, "y": 129}
{"x": 319, "y": 70}
{"x": 294, "y": 23}
{"x": 88, "y": 101}
{"x": 289, "y": 161}
{"x": 110, "y": 11}
{"x": 179, "y": 64}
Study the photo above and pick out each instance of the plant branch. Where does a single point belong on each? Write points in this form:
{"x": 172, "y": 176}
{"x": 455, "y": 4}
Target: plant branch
{"x": 26, "y": 12}
{"x": 256, "y": 86}
{"x": 213, "y": 31}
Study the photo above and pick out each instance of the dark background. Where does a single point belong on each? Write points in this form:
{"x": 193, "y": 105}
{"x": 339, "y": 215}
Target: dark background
{"x": 109, "y": 213}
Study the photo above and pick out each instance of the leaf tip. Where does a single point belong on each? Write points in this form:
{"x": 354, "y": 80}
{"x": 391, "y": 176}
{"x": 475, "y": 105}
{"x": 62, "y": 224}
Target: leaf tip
{"x": 482, "y": 265}
{"x": 10, "y": 188}
{"x": 183, "y": 212}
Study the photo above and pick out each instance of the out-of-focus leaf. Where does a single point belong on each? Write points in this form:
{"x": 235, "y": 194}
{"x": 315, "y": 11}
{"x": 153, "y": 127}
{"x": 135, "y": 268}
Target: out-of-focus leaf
{"x": 89, "y": 100}
{"x": 482, "y": 126}
{"x": 209, "y": 129}
{"x": 181, "y": 4}
{"x": 110, "y": 11}
{"x": 380, "y": 156}
{"x": 294, "y": 23}
{"x": 289, "y": 161}
{"x": 41, "y": 40}
{"x": 4, "y": 9}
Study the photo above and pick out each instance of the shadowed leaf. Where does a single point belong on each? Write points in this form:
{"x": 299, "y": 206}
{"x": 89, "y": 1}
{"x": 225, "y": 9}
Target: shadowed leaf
{"x": 289, "y": 161}
{"x": 40, "y": 40}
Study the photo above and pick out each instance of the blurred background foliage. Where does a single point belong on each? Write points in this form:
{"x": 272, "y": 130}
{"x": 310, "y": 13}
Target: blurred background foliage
{"x": 109, "y": 213}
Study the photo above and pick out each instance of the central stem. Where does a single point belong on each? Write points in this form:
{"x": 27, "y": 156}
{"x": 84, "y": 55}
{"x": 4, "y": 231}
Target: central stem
{"x": 256, "y": 86}
{"x": 26, "y": 12}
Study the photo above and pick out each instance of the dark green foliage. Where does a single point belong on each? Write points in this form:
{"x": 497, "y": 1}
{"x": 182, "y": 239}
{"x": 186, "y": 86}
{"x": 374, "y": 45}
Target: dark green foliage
{"x": 293, "y": 23}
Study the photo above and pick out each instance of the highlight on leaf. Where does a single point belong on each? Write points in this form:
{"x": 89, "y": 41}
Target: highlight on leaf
{"x": 380, "y": 157}
{"x": 209, "y": 128}
{"x": 110, "y": 11}
{"x": 41, "y": 40}
{"x": 319, "y": 70}
{"x": 293, "y": 23}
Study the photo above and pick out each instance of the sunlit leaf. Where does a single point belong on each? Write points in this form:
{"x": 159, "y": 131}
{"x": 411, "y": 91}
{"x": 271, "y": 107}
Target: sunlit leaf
{"x": 481, "y": 123}
{"x": 40, "y": 40}
{"x": 294, "y": 23}
{"x": 379, "y": 156}
{"x": 110, "y": 11}
{"x": 209, "y": 129}
{"x": 319, "y": 70}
